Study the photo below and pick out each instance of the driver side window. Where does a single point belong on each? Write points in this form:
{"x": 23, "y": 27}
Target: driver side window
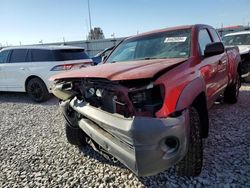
{"x": 204, "y": 39}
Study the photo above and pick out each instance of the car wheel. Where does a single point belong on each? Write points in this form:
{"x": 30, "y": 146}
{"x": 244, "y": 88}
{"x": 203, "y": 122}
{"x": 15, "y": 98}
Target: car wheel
{"x": 75, "y": 135}
{"x": 191, "y": 164}
{"x": 37, "y": 90}
{"x": 232, "y": 92}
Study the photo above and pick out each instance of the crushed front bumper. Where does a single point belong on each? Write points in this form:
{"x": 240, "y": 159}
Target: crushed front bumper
{"x": 139, "y": 142}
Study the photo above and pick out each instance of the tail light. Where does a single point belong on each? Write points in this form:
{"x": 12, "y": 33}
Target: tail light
{"x": 65, "y": 67}
{"x": 62, "y": 67}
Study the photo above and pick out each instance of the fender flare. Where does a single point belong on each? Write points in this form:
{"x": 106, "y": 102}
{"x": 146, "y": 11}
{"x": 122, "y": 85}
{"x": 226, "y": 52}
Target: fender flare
{"x": 188, "y": 97}
{"x": 189, "y": 93}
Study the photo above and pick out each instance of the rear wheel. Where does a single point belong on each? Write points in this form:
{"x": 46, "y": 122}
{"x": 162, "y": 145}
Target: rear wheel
{"x": 232, "y": 91}
{"x": 37, "y": 90}
{"x": 191, "y": 164}
{"x": 75, "y": 135}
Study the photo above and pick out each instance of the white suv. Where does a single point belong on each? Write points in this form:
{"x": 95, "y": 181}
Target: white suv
{"x": 28, "y": 69}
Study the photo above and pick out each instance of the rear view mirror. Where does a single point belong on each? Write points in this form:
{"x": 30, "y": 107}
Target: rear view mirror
{"x": 214, "y": 48}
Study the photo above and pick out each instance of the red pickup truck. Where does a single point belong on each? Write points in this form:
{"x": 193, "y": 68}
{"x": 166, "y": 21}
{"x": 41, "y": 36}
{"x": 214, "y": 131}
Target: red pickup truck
{"x": 147, "y": 104}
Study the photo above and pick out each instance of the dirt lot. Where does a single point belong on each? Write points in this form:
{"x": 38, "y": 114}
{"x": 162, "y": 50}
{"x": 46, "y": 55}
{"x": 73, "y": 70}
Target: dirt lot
{"x": 34, "y": 151}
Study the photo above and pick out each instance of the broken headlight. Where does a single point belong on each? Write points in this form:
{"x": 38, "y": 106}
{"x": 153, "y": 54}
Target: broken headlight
{"x": 149, "y": 99}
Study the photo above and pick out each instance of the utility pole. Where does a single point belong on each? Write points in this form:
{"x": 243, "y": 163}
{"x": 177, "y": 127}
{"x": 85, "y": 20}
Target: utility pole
{"x": 87, "y": 28}
{"x": 90, "y": 24}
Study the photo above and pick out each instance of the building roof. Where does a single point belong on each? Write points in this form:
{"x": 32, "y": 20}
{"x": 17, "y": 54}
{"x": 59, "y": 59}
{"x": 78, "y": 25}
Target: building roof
{"x": 43, "y": 47}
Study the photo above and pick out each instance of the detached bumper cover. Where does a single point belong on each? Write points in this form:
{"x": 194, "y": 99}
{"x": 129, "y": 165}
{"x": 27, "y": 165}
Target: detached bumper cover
{"x": 139, "y": 142}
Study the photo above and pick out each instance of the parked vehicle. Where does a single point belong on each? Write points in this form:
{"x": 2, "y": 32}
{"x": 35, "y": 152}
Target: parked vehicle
{"x": 99, "y": 57}
{"x": 147, "y": 105}
{"x": 242, "y": 40}
{"x": 27, "y": 69}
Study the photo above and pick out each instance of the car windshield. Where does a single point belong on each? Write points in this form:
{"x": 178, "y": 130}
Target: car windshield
{"x": 169, "y": 44}
{"x": 243, "y": 39}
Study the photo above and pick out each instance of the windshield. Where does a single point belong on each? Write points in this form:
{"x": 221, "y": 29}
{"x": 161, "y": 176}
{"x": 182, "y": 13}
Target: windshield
{"x": 170, "y": 44}
{"x": 243, "y": 39}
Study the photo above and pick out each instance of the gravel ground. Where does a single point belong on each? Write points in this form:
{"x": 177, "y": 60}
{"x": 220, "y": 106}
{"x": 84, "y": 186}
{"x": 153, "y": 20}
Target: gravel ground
{"x": 34, "y": 151}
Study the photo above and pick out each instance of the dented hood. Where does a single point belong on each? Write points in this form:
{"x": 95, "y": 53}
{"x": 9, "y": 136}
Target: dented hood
{"x": 123, "y": 70}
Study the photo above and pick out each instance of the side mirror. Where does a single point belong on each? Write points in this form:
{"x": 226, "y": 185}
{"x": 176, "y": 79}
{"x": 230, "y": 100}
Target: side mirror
{"x": 214, "y": 48}
{"x": 104, "y": 58}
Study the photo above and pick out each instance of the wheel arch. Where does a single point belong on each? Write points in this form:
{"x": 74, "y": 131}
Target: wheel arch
{"x": 239, "y": 68}
{"x": 194, "y": 94}
{"x": 29, "y": 78}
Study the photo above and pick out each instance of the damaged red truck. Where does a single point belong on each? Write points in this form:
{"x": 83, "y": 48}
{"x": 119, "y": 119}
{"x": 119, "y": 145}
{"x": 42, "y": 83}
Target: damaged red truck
{"x": 147, "y": 104}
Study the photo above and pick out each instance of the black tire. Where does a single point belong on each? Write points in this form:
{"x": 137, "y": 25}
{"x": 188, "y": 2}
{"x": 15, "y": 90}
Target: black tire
{"x": 37, "y": 90}
{"x": 232, "y": 91}
{"x": 191, "y": 164}
{"x": 75, "y": 135}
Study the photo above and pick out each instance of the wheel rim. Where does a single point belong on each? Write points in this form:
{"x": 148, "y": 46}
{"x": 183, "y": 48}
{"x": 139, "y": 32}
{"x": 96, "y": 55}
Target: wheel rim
{"x": 35, "y": 90}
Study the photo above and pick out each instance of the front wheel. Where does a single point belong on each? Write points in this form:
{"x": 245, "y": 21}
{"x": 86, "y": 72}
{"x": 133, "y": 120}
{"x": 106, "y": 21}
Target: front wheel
{"x": 191, "y": 164}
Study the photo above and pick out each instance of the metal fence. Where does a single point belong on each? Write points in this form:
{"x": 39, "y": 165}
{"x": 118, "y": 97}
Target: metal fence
{"x": 92, "y": 47}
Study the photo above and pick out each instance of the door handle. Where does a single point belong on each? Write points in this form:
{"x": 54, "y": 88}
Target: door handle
{"x": 21, "y": 68}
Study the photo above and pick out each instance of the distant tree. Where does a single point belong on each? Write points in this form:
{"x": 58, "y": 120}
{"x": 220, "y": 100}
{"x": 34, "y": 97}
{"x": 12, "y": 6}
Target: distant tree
{"x": 96, "y": 34}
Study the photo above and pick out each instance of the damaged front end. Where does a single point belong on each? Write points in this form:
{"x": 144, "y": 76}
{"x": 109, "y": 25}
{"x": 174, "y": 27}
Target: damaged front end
{"x": 120, "y": 117}
{"x": 127, "y": 98}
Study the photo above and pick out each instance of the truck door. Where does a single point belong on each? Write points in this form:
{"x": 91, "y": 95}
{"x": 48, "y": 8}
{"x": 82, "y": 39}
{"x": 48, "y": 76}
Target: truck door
{"x": 3, "y": 61}
{"x": 222, "y": 64}
{"x": 212, "y": 67}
